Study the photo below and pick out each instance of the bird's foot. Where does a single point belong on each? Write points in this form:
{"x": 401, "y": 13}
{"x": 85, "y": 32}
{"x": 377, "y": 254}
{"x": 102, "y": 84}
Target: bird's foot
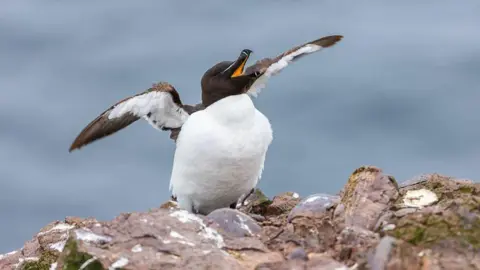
{"x": 243, "y": 198}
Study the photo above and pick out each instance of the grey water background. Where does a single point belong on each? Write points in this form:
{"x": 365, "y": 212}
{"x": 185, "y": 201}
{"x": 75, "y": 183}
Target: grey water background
{"x": 401, "y": 92}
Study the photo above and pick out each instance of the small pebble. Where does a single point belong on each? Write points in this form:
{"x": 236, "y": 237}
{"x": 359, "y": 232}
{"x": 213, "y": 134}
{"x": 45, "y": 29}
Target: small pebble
{"x": 389, "y": 227}
{"x": 404, "y": 211}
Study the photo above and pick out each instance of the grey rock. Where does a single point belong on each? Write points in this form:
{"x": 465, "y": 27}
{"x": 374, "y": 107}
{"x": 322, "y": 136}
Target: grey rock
{"x": 298, "y": 254}
{"x": 314, "y": 206}
{"x": 379, "y": 258}
{"x": 404, "y": 211}
{"x": 415, "y": 180}
{"x": 234, "y": 222}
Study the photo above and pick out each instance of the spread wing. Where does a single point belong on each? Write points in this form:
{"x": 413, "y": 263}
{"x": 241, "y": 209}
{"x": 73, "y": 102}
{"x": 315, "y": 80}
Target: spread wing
{"x": 160, "y": 106}
{"x": 267, "y": 67}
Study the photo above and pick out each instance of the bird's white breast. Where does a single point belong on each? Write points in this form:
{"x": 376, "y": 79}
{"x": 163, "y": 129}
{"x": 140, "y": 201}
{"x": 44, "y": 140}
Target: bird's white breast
{"x": 220, "y": 154}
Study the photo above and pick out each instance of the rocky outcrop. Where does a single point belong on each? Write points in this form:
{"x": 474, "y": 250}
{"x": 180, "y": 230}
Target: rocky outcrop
{"x": 429, "y": 222}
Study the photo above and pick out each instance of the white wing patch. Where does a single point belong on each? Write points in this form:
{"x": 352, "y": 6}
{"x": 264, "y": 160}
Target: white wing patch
{"x": 156, "y": 107}
{"x": 276, "y": 67}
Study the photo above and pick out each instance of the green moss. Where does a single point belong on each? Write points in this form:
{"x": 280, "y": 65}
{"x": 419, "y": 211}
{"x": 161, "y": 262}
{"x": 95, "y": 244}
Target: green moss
{"x": 392, "y": 179}
{"x": 418, "y": 236}
{"x": 44, "y": 262}
{"x": 409, "y": 231}
{"x": 427, "y": 229}
{"x": 73, "y": 259}
{"x": 262, "y": 198}
{"x": 261, "y": 202}
{"x": 349, "y": 188}
{"x": 458, "y": 221}
{"x": 466, "y": 189}
{"x": 367, "y": 172}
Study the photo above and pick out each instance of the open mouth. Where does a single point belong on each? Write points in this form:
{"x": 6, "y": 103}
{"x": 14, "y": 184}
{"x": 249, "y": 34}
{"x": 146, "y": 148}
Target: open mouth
{"x": 241, "y": 61}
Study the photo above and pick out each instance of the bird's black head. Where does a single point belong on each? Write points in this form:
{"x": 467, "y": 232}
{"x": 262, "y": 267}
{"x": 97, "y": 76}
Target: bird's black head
{"x": 226, "y": 78}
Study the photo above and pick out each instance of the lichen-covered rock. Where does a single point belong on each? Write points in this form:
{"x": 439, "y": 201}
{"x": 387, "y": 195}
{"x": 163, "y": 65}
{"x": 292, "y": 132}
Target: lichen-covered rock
{"x": 430, "y": 222}
{"x": 44, "y": 249}
{"x": 366, "y": 196}
{"x": 454, "y": 215}
{"x": 447, "y": 230}
{"x": 282, "y": 203}
{"x": 172, "y": 239}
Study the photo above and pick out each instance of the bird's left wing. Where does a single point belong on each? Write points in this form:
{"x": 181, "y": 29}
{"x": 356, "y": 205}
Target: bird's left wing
{"x": 267, "y": 67}
{"x": 160, "y": 106}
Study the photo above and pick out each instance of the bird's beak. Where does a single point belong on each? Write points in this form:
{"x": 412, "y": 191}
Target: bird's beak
{"x": 239, "y": 65}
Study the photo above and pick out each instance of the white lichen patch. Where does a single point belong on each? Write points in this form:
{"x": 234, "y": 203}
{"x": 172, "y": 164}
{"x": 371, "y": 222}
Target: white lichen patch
{"x": 243, "y": 224}
{"x": 214, "y": 235}
{"x": 295, "y": 195}
{"x": 312, "y": 199}
{"x": 7, "y": 254}
{"x": 176, "y": 235}
{"x": 389, "y": 227}
{"x": 59, "y": 245}
{"x": 87, "y": 263}
{"x": 53, "y": 266}
{"x": 419, "y": 198}
{"x": 245, "y": 227}
{"x": 119, "y": 263}
{"x": 59, "y": 227}
{"x": 21, "y": 261}
{"x": 137, "y": 248}
{"x": 185, "y": 216}
{"x": 88, "y": 236}
{"x": 186, "y": 243}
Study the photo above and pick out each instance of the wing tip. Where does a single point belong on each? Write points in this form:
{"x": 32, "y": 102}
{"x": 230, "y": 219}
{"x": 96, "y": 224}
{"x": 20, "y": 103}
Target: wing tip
{"x": 84, "y": 137}
{"x": 76, "y": 145}
{"x": 73, "y": 148}
{"x": 327, "y": 41}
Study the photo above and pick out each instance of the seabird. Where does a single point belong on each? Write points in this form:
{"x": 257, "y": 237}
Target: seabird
{"x": 221, "y": 143}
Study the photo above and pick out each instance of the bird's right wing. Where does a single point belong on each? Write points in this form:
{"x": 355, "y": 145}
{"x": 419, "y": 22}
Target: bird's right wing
{"x": 160, "y": 106}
